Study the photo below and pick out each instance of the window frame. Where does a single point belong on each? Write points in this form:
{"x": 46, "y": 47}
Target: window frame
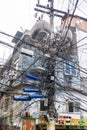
{"x": 75, "y": 107}
{"x": 70, "y": 68}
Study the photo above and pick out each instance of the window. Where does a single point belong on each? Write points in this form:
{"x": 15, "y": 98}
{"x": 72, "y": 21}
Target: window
{"x": 70, "y": 68}
{"x": 74, "y": 107}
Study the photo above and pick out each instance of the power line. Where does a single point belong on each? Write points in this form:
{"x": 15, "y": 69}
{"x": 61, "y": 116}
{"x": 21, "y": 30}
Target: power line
{"x": 78, "y": 7}
{"x": 73, "y": 44}
{"x": 85, "y": 1}
{"x": 6, "y": 44}
{"x": 52, "y": 59}
{"x": 31, "y": 44}
{"x": 69, "y": 23}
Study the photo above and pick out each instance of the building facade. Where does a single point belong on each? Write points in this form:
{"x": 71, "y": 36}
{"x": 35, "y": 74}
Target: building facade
{"x": 55, "y": 62}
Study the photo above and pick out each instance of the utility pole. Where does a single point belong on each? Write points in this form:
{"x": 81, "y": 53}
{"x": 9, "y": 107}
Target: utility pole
{"x": 51, "y": 125}
{"x": 50, "y": 90}
{"x": 50, "y": 66}
{"x": 51, "y": 4}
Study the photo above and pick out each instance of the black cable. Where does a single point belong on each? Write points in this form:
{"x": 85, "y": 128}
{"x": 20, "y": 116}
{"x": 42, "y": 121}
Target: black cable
{"x": 65, "y": 88}
{"x": 27, "y": 68}
{"x": 79, "y": 8}
{"x": 4, "y": 84}
{"x": 65, "y": 80}
{"x": 16, "y": 109}
{"x": 31, "y": 45}
{"x": 85, "y": 1}
{"x": 18, "y": 40}
{"x": 78, "y": 41}
{"x": 61, "y": 87}
{"x": 69, "y": 23}
{"x": 21, "y": 111}
{"x": 73, "y": 44}
{"x": 82, "y": 45}
{"x": 7, "y": 44}
{"x": 84, "y": 109}
{"x": 73, "y": 105}
{"x": 63, "y": 62}
{"x": 24, "y": 71}
{"x": 55, "y": 90}
{"x": 66, "y": 91}
{"x": 81, "y": 69}
{"x": 14, "y": 47}
{"x": 77, "y": 98}
{"x": 68, "y": 47}
{"x": 27, "y": 106}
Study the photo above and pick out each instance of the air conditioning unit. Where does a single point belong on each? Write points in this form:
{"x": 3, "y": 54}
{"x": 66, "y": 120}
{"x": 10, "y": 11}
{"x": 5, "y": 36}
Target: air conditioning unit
{"x": 27, "y": 52}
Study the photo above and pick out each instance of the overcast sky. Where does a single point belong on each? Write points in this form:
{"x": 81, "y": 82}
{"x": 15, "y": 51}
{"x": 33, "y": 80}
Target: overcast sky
{"x": 19, "y": 15}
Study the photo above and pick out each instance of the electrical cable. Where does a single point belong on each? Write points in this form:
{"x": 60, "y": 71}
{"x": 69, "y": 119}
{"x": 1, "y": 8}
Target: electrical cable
{"x": 84, "y": 109}
{"x": 70, "y": 89}
{"x": 73, "y": 44}
{"x": 26, "y": 69}
{"x": 82, "y": 45}
{"x": 21, "y": 111}
{"x": 10, "y": 36}
{"x": 78, "y": 41}
{"x": 7, "y": 44}
{"x": 16, "y": 110}
{"x": 81, "y": 69}
{"x": 70, "y": 22}
{"x": 85, "y": 1}
{"x": 56, "y": 89}
{"x": 66, "y": 48}
{"x": 72, "y": 106}
{"x": 76, "y": 97}
{"x": 64, "y": 62}
{"x": 79, "y": 8}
